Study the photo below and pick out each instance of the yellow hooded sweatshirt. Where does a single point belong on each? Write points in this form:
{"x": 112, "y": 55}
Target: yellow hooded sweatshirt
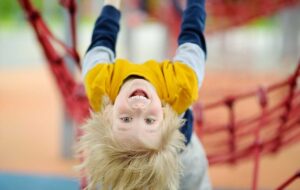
{"x": 175, "y": 82}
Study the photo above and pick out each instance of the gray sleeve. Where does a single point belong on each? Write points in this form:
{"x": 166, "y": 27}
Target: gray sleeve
{"x": 96, "y": 55}
{"x": 195, "y": 167}
{"x": 193, "y": 56}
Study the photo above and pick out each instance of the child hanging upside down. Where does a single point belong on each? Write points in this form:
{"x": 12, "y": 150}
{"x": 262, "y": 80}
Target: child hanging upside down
{"x": 140, "y": 134}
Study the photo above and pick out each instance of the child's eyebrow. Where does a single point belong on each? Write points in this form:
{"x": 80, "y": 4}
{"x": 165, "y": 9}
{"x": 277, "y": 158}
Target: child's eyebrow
{"x": 122, "y": 128}
{"x": 124, "y": 112}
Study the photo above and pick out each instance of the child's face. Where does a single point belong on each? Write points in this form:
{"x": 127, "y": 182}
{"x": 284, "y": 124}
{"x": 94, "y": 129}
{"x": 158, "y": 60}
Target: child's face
{"x": 137, "y": 114}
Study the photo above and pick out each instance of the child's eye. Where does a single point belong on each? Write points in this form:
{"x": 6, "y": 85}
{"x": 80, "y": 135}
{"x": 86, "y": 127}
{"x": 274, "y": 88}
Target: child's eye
{"x": 149, "y": 121}
{"x": 126, "y": 119}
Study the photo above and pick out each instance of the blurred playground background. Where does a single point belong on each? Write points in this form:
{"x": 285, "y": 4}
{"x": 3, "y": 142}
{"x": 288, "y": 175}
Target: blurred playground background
{"x": 35, "y": 130}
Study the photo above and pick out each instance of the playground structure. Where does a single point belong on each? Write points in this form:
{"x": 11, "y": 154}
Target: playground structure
{"x": 275, "y": 126}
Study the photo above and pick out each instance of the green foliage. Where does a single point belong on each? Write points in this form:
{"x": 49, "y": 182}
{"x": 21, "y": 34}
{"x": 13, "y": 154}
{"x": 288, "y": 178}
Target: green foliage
{"x": 11, "y": 9}
{"x": 265, "y": 22}
{"x": 8, "y": 8}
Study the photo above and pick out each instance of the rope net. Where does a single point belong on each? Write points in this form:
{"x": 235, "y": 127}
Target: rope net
{"x": 222, "y": 14}
{"x": 232, "y": 13}
{"x": 274, "y": 126}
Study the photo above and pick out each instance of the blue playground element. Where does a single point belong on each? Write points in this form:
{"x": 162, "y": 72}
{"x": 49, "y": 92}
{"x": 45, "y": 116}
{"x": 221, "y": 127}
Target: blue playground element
{"x": 16, "y": 181}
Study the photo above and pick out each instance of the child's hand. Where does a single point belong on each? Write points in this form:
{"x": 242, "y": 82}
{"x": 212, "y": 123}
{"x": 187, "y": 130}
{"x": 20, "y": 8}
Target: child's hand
{"x": 115, "y": 3}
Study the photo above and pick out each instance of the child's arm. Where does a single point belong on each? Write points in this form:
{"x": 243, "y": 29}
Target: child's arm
{"x": 104, "y": 37}
{"x": 185, "y": 74}
{"x": 191, "y": 52}
{"x": 191, "y": 41}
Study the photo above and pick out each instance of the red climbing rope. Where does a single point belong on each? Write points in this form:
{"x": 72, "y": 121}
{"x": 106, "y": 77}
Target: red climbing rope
{"x": 289, "y": 181}
{"x": 72, "y": 92}
{"x": 284, "y": 115}
{"x": 221, "y": 14}
{"x": 226, "y": 14}
{"x": 273, "y": 128}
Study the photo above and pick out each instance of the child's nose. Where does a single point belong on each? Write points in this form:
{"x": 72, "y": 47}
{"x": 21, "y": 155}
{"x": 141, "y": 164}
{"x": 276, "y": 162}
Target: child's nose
{"x": 138, "y": 104}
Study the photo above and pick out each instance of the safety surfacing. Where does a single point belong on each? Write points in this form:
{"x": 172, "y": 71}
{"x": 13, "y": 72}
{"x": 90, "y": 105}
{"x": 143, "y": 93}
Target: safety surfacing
{"x": 14, "y": 181}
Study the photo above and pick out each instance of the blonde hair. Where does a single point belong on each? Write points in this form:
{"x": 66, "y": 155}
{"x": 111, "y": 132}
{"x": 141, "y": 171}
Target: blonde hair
{"x": 112, "y": 166}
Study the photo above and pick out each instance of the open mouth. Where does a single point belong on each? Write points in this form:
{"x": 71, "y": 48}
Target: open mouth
{"x": 139, "y": 93}
{"x": 139, "y": 99}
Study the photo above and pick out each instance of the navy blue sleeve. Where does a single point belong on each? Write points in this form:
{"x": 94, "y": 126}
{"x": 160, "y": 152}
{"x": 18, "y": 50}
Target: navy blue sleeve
{"x": 193, "y": 24}
{"x": 187, "y": 128}
{"x": 106, "y": 28}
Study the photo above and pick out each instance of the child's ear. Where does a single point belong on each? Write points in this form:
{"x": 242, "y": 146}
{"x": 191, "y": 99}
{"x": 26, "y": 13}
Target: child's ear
{"x": 107, "y": 110}
{"x": 105, "y": 101}
{"x": 163, "y": 104}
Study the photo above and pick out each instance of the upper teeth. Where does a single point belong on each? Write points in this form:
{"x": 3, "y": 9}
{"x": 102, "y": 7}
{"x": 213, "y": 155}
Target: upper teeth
{"x": 139, "y": 97}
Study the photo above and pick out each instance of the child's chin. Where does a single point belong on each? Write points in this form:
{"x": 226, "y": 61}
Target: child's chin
{"x": 138, "y": 81}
